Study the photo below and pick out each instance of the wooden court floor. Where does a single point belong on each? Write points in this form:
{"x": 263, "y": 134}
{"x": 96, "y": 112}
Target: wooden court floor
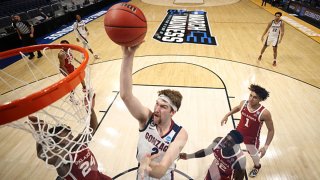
{"x": 209, "y": 77}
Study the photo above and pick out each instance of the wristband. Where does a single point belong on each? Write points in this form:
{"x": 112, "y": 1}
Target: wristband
{"x": 265, "y": 147}
{"x": 190, "y": 156}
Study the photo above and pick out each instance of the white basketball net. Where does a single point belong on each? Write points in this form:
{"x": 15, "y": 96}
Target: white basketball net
{"x": 70, "y": 114}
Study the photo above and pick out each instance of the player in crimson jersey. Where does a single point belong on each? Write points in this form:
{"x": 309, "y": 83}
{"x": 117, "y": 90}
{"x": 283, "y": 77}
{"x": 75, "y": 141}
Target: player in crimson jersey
{"x": 229, "y": 162}
{"x": 253, "y": 114}
{"x": 65, "y": 60}
{"x": 83, "y": 164}
{"x": 66, "y": 67}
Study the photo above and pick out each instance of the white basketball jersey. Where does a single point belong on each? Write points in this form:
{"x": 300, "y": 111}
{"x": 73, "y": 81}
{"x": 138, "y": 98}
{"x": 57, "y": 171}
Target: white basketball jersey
{"x": 150, "y": 142}
{"x": 79, "y": 28}
{"x": 275, "y": 29}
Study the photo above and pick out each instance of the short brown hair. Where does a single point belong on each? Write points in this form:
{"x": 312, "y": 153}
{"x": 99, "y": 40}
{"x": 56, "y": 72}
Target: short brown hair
{"x": 175, "y": 96}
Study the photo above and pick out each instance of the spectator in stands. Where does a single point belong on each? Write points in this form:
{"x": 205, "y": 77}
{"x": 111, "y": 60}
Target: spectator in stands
{"x": 86, "y": 2}
{"x": 275, "y": 3}
{"x": 26, "y": 33}
{"x": 42, "y": 14}
{"x": 12, "y": 19}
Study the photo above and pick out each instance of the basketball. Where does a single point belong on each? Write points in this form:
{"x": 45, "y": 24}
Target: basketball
{"x": 125, "y": 24}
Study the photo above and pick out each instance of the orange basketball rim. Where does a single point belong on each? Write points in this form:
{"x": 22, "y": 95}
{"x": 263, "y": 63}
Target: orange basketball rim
{"x": 16, "y": 109}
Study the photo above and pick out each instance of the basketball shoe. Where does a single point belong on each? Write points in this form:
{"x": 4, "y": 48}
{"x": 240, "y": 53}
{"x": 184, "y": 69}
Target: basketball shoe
{"x": 254, "y": 171}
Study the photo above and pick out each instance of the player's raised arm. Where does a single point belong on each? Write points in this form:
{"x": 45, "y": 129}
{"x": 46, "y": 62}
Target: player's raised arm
{"x": 140, "y": 112}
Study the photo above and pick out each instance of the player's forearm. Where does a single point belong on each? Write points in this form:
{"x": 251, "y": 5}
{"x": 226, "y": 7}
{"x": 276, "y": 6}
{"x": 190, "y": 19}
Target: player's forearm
{"x": 234, "y": 110}
{"x": 281, "y": 36}
{"x": 63, "y": 170}
{"x": 269, "y": 138}
{"x": 39, "y": 150}
{"x": 76, "y": 33}
{"x": 19, "y": 34}
{"x": 126, "y": 77}
{"x": 158, "y": 170}
{"x": 264, "y": 33}
{"x": 199, "y": 154}
{"x": 64, "y": 70}
{"x": 32, "y": 30}
{"x": 93, "y": 121}
{"x": 266, "y": 30}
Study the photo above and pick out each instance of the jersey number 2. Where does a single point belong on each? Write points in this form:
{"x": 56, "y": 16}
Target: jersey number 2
{"x": 86, "y": 166}
{"x": 154, "y": 151}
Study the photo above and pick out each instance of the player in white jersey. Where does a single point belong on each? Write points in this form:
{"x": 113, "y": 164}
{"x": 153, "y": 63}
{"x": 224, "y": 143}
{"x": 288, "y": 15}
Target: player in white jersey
{"x": 81, "y": 32}
{"x": 161, "y": 139}
{"x": 150, "y": 142}
{"x": 275, "y": 31}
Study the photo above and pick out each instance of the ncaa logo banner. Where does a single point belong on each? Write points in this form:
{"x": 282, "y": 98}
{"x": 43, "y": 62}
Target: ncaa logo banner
{"x": 182, "y": 26}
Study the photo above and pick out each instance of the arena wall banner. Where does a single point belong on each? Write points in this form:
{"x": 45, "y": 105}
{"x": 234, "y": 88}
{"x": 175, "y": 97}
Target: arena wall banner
{"x": 305, "y": 11}
{"x": 182, "y": 26}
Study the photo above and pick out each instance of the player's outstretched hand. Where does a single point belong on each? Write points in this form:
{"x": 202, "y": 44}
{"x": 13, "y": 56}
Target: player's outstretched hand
{"x": 145, "y": 167}
{"x": 183, "y": 156}
{"x": 224, "y": 121}
{"x": 37, "y": 124}
{"x": 128, "y": 51}
{"x": 262, "y": 152}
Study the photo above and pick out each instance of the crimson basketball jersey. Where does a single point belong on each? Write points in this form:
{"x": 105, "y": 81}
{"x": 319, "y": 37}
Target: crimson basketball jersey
{"x": 222, "y": 167}
{"x": 250, "y": 123}
{"x": 85, "y": 167}
{"x": 68, "y": 62}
